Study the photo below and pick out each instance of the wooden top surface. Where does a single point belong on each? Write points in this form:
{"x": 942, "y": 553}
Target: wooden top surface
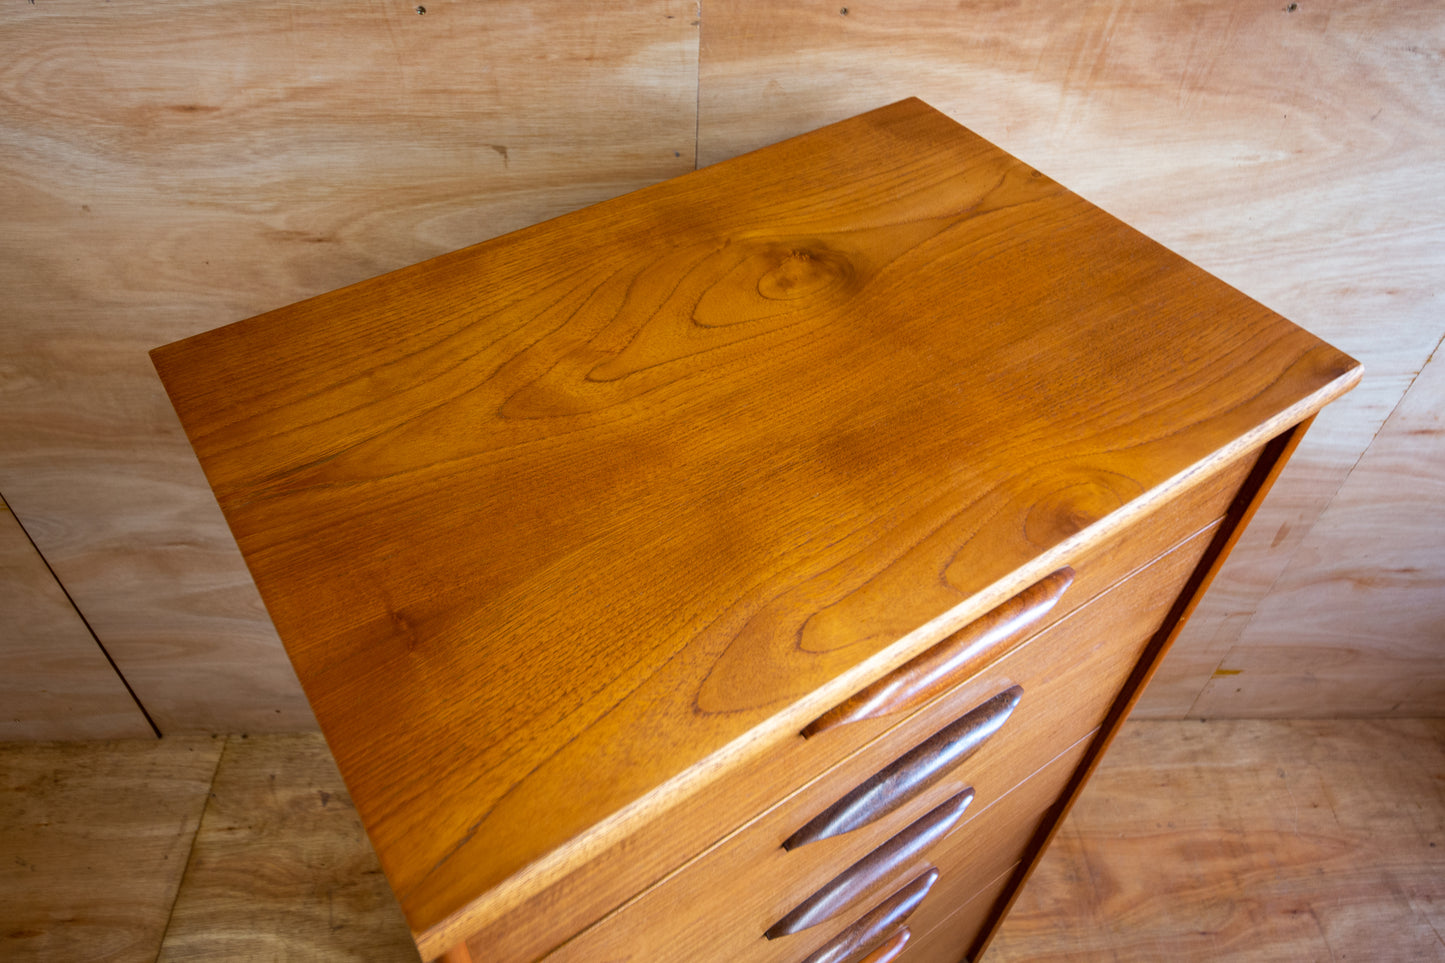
{"x": 554, "y": 526}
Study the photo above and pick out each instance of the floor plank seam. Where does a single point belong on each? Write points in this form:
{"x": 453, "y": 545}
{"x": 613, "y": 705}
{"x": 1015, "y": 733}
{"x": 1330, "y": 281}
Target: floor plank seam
{"x": 191, "y": 850}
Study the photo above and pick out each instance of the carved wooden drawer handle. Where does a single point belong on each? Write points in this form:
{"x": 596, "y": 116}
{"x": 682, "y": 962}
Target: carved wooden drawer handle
{"x": 889, "y": 950}
{"x": 922, "y": 677}
{"x": 910, "y": 774}
{"x": 876, "y": 923}
{"x": 849, "y": 884}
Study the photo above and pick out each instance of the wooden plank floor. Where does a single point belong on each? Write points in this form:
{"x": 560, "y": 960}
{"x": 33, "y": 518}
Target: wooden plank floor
{"x": 1298, "y": 840}
{"x": 93, "y": 842}
{"x": 1274, "y": 840}
{"x": 281, "y": 869}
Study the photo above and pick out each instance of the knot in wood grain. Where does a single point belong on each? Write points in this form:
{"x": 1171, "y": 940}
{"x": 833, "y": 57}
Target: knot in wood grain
{"x": 801, "y": 272}
{"x": 1076, "y": 503}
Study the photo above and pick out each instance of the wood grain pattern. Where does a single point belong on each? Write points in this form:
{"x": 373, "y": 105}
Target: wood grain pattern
{"x": 94, "y": 837}
{"x": 1357, "y": 620}
{"x": 514, "y": 443}
{"x": 1265, "y": 471}
{"x": 921, "y": 678}
{"x": 55, "y": 682}
{"x": 655, "y": 849}
{"x": 847, "y": 886}
{"x": 741, "y": 886}
{"x": 281, "y": 869}
{"x": 165, "y": 168}
{"x": 1134, "y": 875}
{"x": 169, "y": 167}
{"x": 1293, "y": 154}
{"x": 1259, "y": 840}
{"x": 998, "y": 837}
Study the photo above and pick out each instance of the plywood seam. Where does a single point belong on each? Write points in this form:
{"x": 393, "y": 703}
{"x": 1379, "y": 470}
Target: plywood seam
{"x": 20, "y": 523}
{"x": 1288, "y": 563}
{"x": 1229, "y": 651}
{"x": 697, "y": 89}
{"x": 191, "y": 850}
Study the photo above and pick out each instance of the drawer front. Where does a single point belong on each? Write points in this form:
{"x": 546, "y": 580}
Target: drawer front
{"x": 966, "y": 863}
{"x": 996, "y": 839}
{"x": 951, "y": 939}
{"x": 1069, "y": 676}
{"x": 1090, "y": 573}
{"x": 665, "y": 844}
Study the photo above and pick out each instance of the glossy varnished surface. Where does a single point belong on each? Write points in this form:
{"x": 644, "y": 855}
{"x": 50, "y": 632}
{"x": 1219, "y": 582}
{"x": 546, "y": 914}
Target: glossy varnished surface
{"x": 1292, "y": 151}
{"x": 649, "y": 852}
{"x": 547, "y": 523}
{"x": 172, "y": 167}
{"x": 740, "y": 888}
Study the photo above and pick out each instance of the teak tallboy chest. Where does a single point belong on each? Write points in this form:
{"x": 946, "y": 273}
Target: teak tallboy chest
{"x": 752, "y": 567}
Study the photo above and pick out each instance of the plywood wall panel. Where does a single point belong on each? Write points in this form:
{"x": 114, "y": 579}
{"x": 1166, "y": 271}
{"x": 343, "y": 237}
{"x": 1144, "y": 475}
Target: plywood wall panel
{"x": 1293, "y": 154}
{"x": 1356, "y": 623}
{"x": 166, "y": 168}
{"x": 55, "y": 682}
